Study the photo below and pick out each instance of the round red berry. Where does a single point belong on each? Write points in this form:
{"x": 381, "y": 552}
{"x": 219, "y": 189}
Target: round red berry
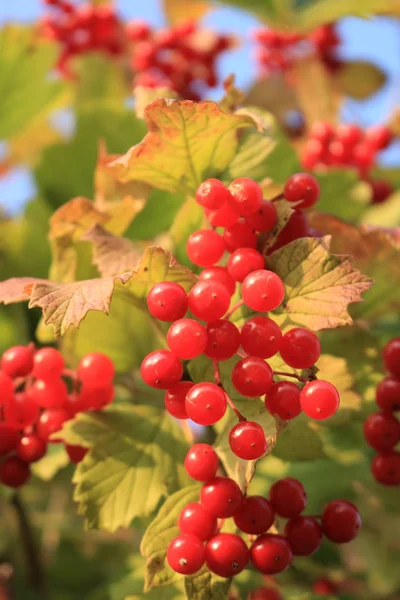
{"x": 283, "y": 399}
{"x": 297, "y": 227}
{"x": 246, "y": 196}
{"x": 195, "y": 520}
{"x": 48, "y": 393}
{"x": 161, "y": 369}
{"x": 341, "y": 521}
{"x": 255, "y": 515}
{"x": 261, "y": 336}
{"x": 48, "y": 364}
{"x": 209, "y": 301}
{"x": 265, "y": 218}
{"x": 288, "y": 497}
{"x": 14, "y": 472}
{"x": 388, "y": 394}
{"x": 265, "y": 594}
{"x": 226, "y": 554}
{"x": 205, "y": 403}
{"x": 247, "y": 440}
{"x": 50, "y": 421}
{"x": 324, "y": 587}
{"x": 322, "y": 131}
{"x": 302, "y": 188}
{"x": 219, "y": 275}
{"x": 175, "y": 397}
{"x": 244, "y": 261}
{"x": 201, "y": 462}
{"x": 382, "y": 431}
{"x": 187, "y": 338}
{"x": 205, "y": 247}
{"x": 300, "y": 348}
{"x": 378, "y": 137}
{"x": 386, "y": 468}
{"x": 252, "y": 376}
{"x": 167, "y": 301}
{"x": 263, "y": 290}
{"x": 271, "y": 554}
{"x": 17, "y": 361}
{"x": 9, "y": 438}
{"x": 186, "y": 554}
{"x": 304, "y": 535}
{"x": 225, "y": 216}
{"x": 319, "y": 400}
{"x": 223, "y": 340}
{"x": 21, "y": 411}
{"x": 6, "y": 389}
{"x": 221, "y": 497}
{"x": 349, "y": 135}
{"x": 391, "y": 357}
{"x": 240, "y": 235}
{"x": 96, "y": 369}
{"x": 31, "y": 448}
{"x": 212, "y": 194}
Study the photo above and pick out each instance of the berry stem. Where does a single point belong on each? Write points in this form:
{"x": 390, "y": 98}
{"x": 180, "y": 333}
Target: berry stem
{"x": 284, "y": 374}
{"x": 235, "y": 307}
{"x": 218, "y": 382}
{"x": 277, "y": 197}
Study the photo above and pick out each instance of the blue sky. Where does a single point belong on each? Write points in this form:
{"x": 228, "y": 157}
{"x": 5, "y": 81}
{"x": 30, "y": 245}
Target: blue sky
{"x": 377, "y": 40}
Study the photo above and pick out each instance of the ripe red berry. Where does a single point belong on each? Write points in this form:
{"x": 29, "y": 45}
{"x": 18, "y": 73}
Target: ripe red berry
{"x": 288, "y": 497}
{"x": 304, "y": 535}
{"x": 265, "y": 594}
{"x": 167, "y": 301}
{"x": 9, "y": 438}
{"x": 96, "y": 370}
{"x": 17, "y": 361}
{"x": 324, "y": 587}
{"x": 137, "y": 30}
{"x": 302, "y": 188}
{"x": 349, "y": 135}
{"x": 92, "y": 398}
{"x": 271, "y": 554}
{"x": 388, "y": 394}
{"x": 381, "y": 190}
{"x": 175, "y": 397}
{"x": 31, "y": 448}
{"x": 50, "y": 421}
{"x": 21, "y": 411}
{"x": 255, "y": 515}
{"x": 186, "y": 554}
{"x": 263, "y": 290}
{"x": 14, "y": 472}
{"x": 283, "y": 399}
{"x": 187, "y": 338}
{"x": 209, "y": 301}
{"x": 205, "y": 403}
{"x": 225, "y": 216}
{"x": 252, "y": 376}
{"x": 240, "y": 235}
{"x": 297, "y": 227}
{"x": 341, "y": 521}
{"x": 76, "y": 453}
{"x": 300, "y": 348}
{"x": 382, "y": 431}
{"x": 212, "y": 194}
{"x": 48, "y": 393}
{"x": 161, "y": 369}
{"x": 386, "y": 468}
{"x": 265, "y": 218}
{"x": 226, "y": 554}
{"x": 223, "y": 340}
{"x": 378, "y": 137}
{"x": 246, "y": 196}
{"x": 244, "y": 261}
{"x": 48, "y": 363}
{"x": 195, "y": 520}
{"x": 319, "y": 400}
{"x": 391, "y": 357}
{"x": 6, "y": 389}
{"x": 219, "y": 275}
{"x": 322, "y": 131}
{"x": 201, "y": 462}
{"x": 363, "y": 156}
{"x": 247, "y": 440}
{"x": 260, "y": 336}
{"x": 221, "y": 497}
{"x": 205, "y": 247}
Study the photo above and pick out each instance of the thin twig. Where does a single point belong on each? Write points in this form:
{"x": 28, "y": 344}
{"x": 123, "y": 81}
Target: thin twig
{"x": 218, "y": 382}
{"x": 284, "y": 374}
{"x": 277, "y": 197}
{"x": 235, "y": 307}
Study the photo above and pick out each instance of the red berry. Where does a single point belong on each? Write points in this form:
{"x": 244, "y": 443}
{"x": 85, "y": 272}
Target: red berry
{"x": 6, "y": 389}
{"x": 378, "y": 137}
{"x": 295, "y": 228}
{"x": 247, "y": 440}
{"x": 175, "y": 397}
{"x": 50, "y": 421}
{"x": 205, "y": 403}
{"x": 339, "y": 153}
{"x": 382, "y": 431}
{"x": 324, "y": 587}
{"x": 219, "y": 275}
{"x": 349, "y": 135}
{"x": 167, "y": 301}
{"x": 271, "y": 554}
{"x": 9, "y": 438}
{"x": 209, "y": 301}
{"x": 391, "y": 357}
{"x": 386, "y": 468}
{"x": 201, "y": 462}
{"x": 21, "y": 412}
{"x": 205, "y": 247}
{"x": 261, "y": 336}
{"x": 244, "y": 261}
{"x": 225, "y": 216}
{"x": 255, "y": 515}
{"x": 186, "y": 554}
{"x": 96, "y": 370}
{"x": 381, "y": 190}
{"x": 283, "y": 399}
{"x": 31, "y": 448}
{"x": 388, "y": 394}
{"x": 300, "y": 348}
{"x": 322, "y": 131}
{"x": 240, "y": 235}
{"x": 319, "y": 400}
{"x": 288, "y": 497}
{"x": 265, "y": 218}
{"x": 92, "y": 398}
{"x": 14, "y": 472}
{"x": 252, "y": 376}
{"x": 137, "y": 30}
{"x": 223, "y": 340}
{"x": 187, "y": 338}
{"x": 341, "y": 521}
{"x": 221, "y": 497}
{"x": 17, "y": 361}
{"x": 161, "y": 369}
{"x": 304, "y": 535}
{"x": 263, "y": 290}
{"x": 212, "y": 194}
{"x": 302, "y": 188}
{"x": 48, "y": 364}
{"x": 48, "y": 393}
{"x": 76, "y": 453}
{"x": 265, "y": 594}
{"x": 226, "y": 554}
{"x": 246, "y": 196}
{"x": 363, "y": 156}
{"x": 195, "y": 520}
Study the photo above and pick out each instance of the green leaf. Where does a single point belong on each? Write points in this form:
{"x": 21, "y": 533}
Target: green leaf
{"x": 342, "y": 194}
{"x": 189, "y": 218}
{"x": 55, "y": 459}
{"x": 135, "y": 459}
{"x": 385, "y": 214}
{"x": 186, "y": 142}
{"x": 299, "y": 441}
{"x": 101, "y": 81}
{"x": 206, "y": 586}
{"x": 158, "y": 535}
{"x": 359, "y": 79}
{"x": 157, "y": 216}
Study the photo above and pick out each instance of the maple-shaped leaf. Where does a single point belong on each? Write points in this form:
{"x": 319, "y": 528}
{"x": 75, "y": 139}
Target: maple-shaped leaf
{"x": 112, "y": 254}
{"x": 376, "y": 251}
{"x": 187, "y": 141}
{"x": 17, "y": 289}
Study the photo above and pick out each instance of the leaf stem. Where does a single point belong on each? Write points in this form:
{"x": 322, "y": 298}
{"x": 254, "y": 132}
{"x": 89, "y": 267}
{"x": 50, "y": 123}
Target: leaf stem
{"x": 277, "y": 197}
{"x": 235, "y": 307}
{"x": 284, "y": 374}
{"x": 218, "y": 382}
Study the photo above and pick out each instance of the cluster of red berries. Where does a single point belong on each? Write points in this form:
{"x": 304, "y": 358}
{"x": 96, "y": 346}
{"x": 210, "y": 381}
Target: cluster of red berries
{"x": 37, "y": 396}
{"x": 226, "y": 554}
{"x": 243, "y": 213}
{"x": 277, "y": 50}
{"x": 382, "y": 429}
{"x": 182, "y": 57}
{"x": 82, "y": 29}
{"x": 349, "y": 146}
